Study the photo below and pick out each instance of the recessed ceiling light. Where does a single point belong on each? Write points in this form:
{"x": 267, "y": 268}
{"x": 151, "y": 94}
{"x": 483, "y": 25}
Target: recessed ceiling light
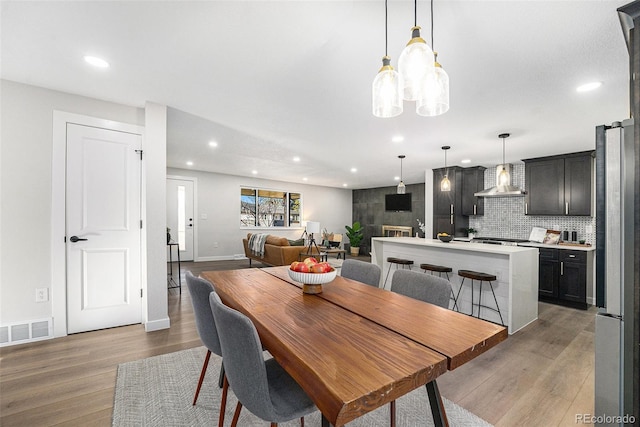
{"x": 255, "y": 172}
{"x": 589, "y": 86}
{"x": 354, "y": 170}
{"x": 296, "y": 159}
{"x": 189, "y": 163}
{"x": 344, "y": 185}
{"x": 213, "y": 144}
{"x": 397, "y": 138}
{"x": 305, "y": 179}
{"x": 96, "y": 62}
{"x": 396, "y": 178}
{"x": 465, "y": 161}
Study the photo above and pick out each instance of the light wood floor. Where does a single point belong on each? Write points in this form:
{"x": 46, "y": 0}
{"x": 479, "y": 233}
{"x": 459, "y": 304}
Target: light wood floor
{"x": 541, "y": 376}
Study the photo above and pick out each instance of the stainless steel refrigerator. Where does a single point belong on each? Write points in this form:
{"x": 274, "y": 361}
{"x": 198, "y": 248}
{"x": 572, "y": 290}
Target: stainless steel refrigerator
{"x": 614, "y": 272}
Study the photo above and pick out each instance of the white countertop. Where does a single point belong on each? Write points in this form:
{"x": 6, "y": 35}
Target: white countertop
{"x": 455, "y": 245}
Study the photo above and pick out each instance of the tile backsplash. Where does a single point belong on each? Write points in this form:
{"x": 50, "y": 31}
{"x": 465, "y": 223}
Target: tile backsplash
{"x": 504, "y": 216}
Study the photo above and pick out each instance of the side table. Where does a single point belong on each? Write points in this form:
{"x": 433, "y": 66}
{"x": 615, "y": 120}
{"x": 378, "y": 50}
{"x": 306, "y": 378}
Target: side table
{"x": 171, "y": 283}
{"x": 322, "y": 256}
{"x": 340, "y": 253}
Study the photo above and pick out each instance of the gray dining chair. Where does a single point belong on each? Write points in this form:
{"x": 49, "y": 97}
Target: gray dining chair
{"x": 361, "y": 271}
{"x": 199, "y": 289}
{"x": 425, "y": 287}
{"x": 264, "y": 387}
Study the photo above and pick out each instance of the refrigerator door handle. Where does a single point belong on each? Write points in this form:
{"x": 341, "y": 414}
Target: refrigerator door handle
{"x": 612, "y": 316}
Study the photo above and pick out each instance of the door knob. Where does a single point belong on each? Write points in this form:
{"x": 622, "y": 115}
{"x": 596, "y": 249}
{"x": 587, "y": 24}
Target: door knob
{"x": 76, "y": 239}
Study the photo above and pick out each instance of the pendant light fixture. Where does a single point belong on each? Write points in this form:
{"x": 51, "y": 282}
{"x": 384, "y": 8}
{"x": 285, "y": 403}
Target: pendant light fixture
{"x": 504, "y": 178}
{"x": 445, "y": 184}
{"x": 416, "y": 62}
{"x": 387, "y": 85}
{"x": 401, "y": 187}
{"x": 434, "y": 99}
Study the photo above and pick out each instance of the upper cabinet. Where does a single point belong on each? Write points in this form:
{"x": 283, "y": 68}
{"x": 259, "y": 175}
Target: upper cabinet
{"x": 559, "y": 185}
{"x": 447, "y": 205}
{"x": 472, "y": 182}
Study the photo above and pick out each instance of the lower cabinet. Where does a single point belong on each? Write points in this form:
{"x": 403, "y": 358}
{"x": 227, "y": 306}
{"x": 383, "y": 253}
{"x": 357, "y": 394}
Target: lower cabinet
{"x": 548, "y": 273}
{"x": 564, "y": 276}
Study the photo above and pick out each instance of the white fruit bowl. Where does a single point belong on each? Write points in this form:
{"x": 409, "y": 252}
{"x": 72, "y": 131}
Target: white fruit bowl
{"x": 312, "y": 278}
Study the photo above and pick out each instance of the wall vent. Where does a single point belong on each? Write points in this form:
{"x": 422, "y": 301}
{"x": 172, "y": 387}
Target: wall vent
{"x": 24, "y": 332}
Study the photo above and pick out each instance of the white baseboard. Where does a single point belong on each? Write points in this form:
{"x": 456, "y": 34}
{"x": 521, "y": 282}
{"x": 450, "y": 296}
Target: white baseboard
{"x": 221, "y": 258}
{"x": 157, "y": 325}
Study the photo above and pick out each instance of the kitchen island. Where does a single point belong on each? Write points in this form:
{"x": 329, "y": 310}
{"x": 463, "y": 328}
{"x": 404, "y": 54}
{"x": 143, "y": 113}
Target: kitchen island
{"x": 516, "y": 269}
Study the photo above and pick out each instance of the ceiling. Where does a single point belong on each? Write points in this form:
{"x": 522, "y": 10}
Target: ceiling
{"x": 272, "y": 80}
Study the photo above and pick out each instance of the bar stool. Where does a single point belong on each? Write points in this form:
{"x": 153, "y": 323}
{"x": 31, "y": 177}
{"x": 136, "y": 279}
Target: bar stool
{"x": 442, "y": 269}
{"x": 397, "y": 261}
{"x": 481, "y": 277}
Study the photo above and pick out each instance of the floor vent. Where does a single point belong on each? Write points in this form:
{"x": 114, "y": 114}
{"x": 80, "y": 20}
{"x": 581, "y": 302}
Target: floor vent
{"x": 24, "y": 332}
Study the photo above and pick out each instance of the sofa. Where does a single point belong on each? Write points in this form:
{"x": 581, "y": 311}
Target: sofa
{"x": 277, "y": 251}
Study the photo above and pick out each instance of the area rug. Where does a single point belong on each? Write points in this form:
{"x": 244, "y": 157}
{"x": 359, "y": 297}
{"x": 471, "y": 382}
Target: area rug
{"x": 158, "y": 391}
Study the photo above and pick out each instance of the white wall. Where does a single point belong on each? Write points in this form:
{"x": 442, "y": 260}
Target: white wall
{"x": 155, "y": 196}
{"x": 219, "y": 198}
{"x": 25, "y": 189}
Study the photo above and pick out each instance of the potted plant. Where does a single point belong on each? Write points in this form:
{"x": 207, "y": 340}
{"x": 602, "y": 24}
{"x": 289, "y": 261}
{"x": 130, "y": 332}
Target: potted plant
{"x": 354, "y": 234}
{"x": 471, "y": 232}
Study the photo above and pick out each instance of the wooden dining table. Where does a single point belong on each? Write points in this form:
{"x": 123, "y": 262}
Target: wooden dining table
{"x": 354, "y": 347}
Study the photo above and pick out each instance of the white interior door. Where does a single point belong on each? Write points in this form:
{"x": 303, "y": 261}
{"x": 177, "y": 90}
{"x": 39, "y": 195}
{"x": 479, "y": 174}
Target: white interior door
{"x": 180, "y": 215}
{"x": 103, "y": 236}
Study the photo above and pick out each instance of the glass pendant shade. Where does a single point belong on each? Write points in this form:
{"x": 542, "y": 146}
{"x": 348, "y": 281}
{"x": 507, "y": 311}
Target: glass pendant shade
{"x": 504, "y": 178}
{"x": 445, "y": 184}
{"x": 434, "y": 99}
{"x": 387, "y": 91}
{"x": 401, "y": 188}
{"x": 415, "y": 64}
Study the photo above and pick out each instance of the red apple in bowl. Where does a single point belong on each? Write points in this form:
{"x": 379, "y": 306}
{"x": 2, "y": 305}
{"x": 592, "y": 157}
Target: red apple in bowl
{"x": 302, "y": 267}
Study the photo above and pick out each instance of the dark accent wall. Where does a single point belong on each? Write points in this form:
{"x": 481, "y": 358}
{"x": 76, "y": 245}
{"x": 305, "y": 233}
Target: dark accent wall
{"x": 368, "y": 208}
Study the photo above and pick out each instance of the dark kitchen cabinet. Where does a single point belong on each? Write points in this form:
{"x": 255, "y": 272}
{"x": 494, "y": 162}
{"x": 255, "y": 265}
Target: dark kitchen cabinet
{"x": 447, "y": 205}
{"x": 544, "y": 182}
{"x": 559, "y": 185}
{"x": 578, "y": 174}
{"x": 472, "y": 182}
{"x": 549, "y": 273}
{"x": 572, "y": 283}
{"x": 565, "y": 276}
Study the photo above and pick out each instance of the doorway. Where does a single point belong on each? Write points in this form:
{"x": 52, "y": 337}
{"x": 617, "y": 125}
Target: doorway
{"x": 96, "y": 235}
{"x": 180, "y": 214}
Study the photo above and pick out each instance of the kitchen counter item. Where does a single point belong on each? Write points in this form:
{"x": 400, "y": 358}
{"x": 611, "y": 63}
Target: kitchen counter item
{"x": 506, "y": 241}
{"x": 561, "y": 246}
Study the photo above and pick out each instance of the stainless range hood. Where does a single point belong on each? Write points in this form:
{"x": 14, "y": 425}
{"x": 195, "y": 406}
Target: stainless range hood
{"x": 501, "y": 190}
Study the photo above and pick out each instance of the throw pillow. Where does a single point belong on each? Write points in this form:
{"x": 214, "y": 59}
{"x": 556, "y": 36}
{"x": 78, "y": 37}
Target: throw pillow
{"x": 299, "y": 242}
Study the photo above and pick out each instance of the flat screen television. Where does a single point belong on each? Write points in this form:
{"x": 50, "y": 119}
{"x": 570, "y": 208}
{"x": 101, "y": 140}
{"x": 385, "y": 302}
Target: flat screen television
{"x": 397, "y": 202}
